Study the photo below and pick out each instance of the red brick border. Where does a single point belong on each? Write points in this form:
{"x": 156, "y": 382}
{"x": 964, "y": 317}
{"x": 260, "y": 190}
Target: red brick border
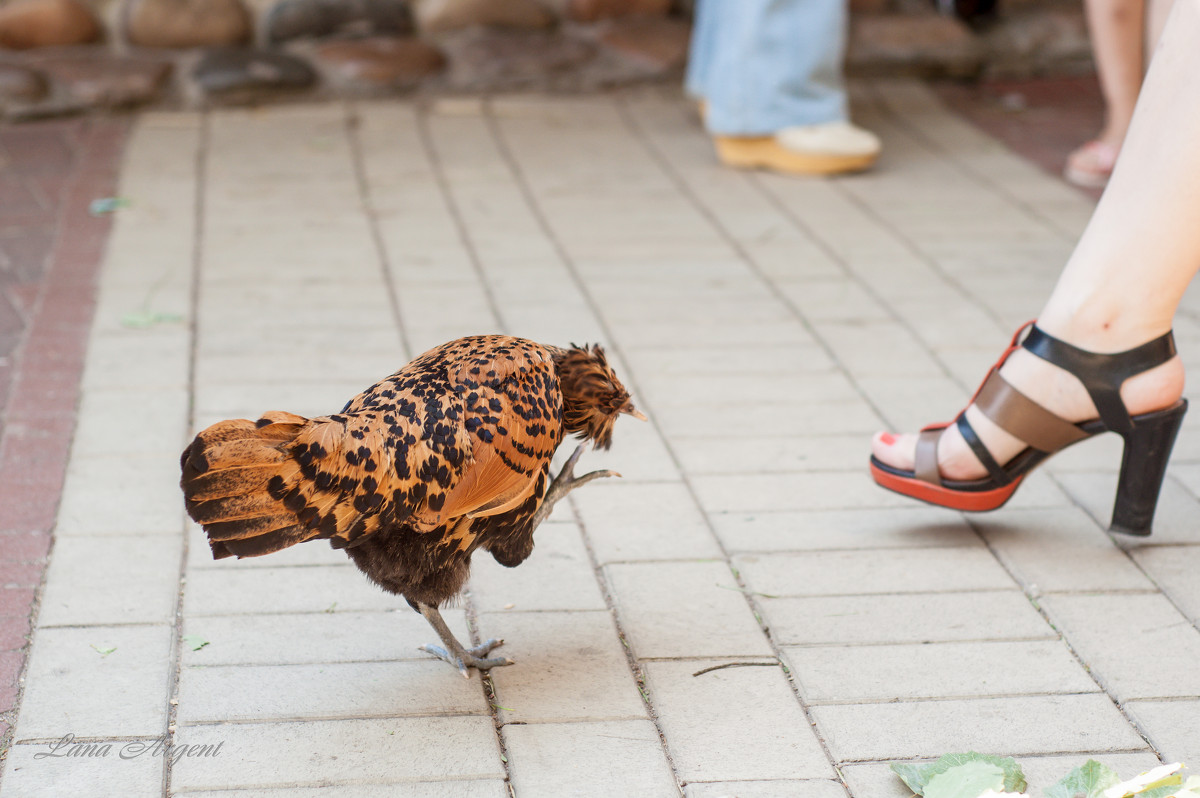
{"x": 39, "y": 406}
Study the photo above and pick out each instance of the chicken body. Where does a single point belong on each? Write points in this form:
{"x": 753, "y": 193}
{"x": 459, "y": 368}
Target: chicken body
{"x": 448, "y": 455}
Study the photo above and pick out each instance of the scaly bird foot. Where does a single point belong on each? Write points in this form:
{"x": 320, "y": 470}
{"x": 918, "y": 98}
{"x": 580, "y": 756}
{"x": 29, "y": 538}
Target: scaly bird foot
{"x": 565, "y": 482}
{"x": 470, "y": 657}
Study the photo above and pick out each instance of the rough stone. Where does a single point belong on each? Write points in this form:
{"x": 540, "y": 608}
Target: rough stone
{"x": 487, "y": 59}
{"x": 298, "y": 19}
{"x": 381, "y": 62}
{"x": 243, "y": 73}
{"x": 434, "y": 16}
{"x": 45, "y": 23}
{"x": 101, "y": 80}
{"x": 923, "y": 44}
{"x": 186, "y": 23}
{"x": 592, "y": 10}
{"x": 659, "y": 43}
{"x": 20, "y": 85}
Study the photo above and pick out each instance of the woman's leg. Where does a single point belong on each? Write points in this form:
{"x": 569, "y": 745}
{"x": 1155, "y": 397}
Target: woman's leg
{"x": 1125, "y": 279}
{"x": 1117, "y": 31}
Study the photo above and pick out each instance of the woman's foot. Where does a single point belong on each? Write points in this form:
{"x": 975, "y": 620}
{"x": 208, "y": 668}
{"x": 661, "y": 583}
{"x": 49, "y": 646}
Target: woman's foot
{"x": 1091, "y": 165}
{"x": 1049, "y": 386}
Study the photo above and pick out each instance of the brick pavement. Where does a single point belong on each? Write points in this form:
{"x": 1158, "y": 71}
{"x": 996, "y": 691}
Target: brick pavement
{"x": 285, "y": 258}
{"x": 50, "y": 252}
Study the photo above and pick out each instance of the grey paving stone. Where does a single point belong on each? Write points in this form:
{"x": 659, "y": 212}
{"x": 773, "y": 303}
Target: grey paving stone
{"x": 1004, "y": 726}
{"x": 703, "y": 455}
{"x": 124, "y": 422}
{"x": 638, "y": 453}
{"x": 121, "y": 495}
{"x": 474, "y": 788}
{"x": 797, "y": 530}
{"x": 146, "y": 358}
{"x": 569, "y": 666}
{"x": 733, "y": 724}
{"x": 111, "y": 580}
{"x": 315, "y": 637}
{"x": 655, "y": 521}
{"x": 324, "y": 691}
{"x": 936, "y": 670}
{"x": 812, "y": 788}
{"x": 1172, "y": 726}
{"x": 1034, "y": 544}
{"x": 730, "y": 395}
{"x": 814, "y": 491}
{"x": 684, "y": 610}
{"x": 1174, "y": 569}
{"x": 588, "y": 759}
{"x": 832, "y": 573}
{"x": 557, "y": 576}
{"x": 341, "y": 753}
{"x": 846, "y": 416}
{"x": 878, "y": 780}
{"x": 71, "y": 688}
{"x": 250, "y": 591}
{"x": 683, "y": 359}
{"x": 1137, "y": 645}
{"x": 105, "y": 775}
{"x": 904, "y": 618}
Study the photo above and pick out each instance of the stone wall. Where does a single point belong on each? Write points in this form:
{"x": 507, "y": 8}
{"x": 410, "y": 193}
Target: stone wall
{"x": 61, "y": 56}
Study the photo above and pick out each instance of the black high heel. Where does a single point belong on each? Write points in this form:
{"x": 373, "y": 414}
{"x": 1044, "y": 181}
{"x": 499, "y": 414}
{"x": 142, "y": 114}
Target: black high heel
{"x": 1148, "y": 437}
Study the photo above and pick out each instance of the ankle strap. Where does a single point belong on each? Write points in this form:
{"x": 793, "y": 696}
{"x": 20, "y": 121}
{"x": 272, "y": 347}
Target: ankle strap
{"x": 1102, "y": 375}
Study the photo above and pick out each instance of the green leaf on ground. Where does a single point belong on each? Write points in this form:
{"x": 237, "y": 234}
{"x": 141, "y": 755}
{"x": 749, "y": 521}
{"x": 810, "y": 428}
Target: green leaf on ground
{"x": 918, "y": 777}
{"x": 1190, "y": 789}
{"x": 103, "y": 205}
{"x": 968, "y": 780}
{"x": 194, "y": 642}
{"x": 1157, "y": 783}
{"x": 1089, "y": 780}
{"x": 104, "y": 651}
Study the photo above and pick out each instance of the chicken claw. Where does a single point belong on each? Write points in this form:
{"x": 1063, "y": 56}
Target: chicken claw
{"x": 565, "y": 482}
{"x": 454, "y": 652}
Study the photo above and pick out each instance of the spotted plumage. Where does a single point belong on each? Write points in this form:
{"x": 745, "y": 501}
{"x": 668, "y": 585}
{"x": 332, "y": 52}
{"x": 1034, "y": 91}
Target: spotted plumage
{"x": 448, "y": 455}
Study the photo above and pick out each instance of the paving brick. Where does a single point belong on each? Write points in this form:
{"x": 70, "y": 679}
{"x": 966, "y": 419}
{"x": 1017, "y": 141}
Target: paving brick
{"x": 1172, "y": 726}
{"x": 878, "y": 780}
{"x": 315, "y": 637}
{"x": 13, "y": 631}
{"x": 658, "y": 521}
{"x": 474, "y": 788}
{"x": 557, "y": 576}
{"x": 936, "y": 670}
{"x": 569, "y": 666}
{"x": 342, "y": 752}
{"x": 762, "y": 454}
{"x": 796, "y": 530}
{"x": 1003, "y": 726}
{"x": 1034, "y": 544}
{"x": 588, "y": 759}
{"x": 820, "y": 573}
{"x": 323, "y": 691}
{"x": 113, "y": 580}
{"x": 20, "y": 574}
{"x": 811, "y": 788}
{"x": 146, "y": 358}
{"x": 105, "y": 776}
{"x": 848, "y": 416}
{"x": 1174, "y": 569}
{"x": 1116, "y": 634}
{"x": 131, "y": 422}
{"x": 683, "y": 359}
{"x": 815, "y": 491}
{"x": 250, "y": 591}
{"x": 24, "y": 546}
{"x": 733, "y": 724}
{"x": 122, "y": 495}
{"x": 314, "y": 552}
{"x": 71, "y": 688}
{"x": 684, "y": 610}
{"x": 1174, "y": 520}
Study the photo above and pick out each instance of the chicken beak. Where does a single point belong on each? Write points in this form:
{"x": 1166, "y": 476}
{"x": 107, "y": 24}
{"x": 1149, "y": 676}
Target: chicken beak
{"x": 639, "y": 415}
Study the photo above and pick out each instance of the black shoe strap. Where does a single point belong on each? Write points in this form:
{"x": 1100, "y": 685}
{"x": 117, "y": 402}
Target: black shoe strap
{"x": 1103, "y": 374}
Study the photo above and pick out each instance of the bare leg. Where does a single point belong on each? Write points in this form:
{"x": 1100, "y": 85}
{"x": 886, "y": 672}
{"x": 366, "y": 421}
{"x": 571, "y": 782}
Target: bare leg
{"x": 454, "y": 653}
{"x": 1125, "y": 279}
{"x": 564, "y": 483}
{"x": 1117, "y": 30}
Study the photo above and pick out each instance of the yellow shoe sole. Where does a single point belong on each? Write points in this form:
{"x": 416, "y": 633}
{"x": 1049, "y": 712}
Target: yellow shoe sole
{"x": 764, "y": 152}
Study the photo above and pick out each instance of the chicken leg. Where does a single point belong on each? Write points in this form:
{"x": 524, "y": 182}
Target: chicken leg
{"x": 454, "y": 652}
{"x": 564, "y": 483}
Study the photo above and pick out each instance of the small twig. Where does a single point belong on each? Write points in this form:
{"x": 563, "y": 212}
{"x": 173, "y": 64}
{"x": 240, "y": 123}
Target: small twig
{"x": 770, "y": 664}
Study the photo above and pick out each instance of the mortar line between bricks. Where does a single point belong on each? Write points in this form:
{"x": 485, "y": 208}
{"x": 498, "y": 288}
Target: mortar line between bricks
{"x": 589, "y": 299}
{"x": 268, "y": 721}
{"x": 200, "y": 164}
{"x": 943, "y": 699}
{"x": 72, "y": 201}
{"x": 429, "y": 149}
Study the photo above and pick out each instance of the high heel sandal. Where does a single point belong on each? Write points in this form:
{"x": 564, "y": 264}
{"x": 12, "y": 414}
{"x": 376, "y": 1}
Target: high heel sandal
{"x": 1148, "y": 436}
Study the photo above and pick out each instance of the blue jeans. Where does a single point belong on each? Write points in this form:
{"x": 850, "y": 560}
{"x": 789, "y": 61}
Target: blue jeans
{"x": 763, "y": 65}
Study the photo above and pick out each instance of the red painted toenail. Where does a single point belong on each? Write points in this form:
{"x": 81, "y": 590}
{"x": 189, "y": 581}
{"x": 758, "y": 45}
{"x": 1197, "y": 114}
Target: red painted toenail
{"x": 887, "y": 438}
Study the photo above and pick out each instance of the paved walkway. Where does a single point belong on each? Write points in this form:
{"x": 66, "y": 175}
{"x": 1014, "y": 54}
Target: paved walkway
{"x": 286, "y": 258}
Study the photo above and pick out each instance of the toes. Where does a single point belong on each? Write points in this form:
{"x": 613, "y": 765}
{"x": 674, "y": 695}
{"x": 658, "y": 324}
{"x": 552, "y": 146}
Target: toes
{"x": 897, "y": 451}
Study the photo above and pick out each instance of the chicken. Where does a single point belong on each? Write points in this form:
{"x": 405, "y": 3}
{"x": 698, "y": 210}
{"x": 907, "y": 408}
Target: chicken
{"x": 448, "y": 455}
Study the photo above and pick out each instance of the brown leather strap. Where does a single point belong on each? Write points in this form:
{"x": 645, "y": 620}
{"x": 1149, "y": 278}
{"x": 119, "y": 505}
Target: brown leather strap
{"x": 925, "y": 465}
{"x": 1023, "y": 418}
